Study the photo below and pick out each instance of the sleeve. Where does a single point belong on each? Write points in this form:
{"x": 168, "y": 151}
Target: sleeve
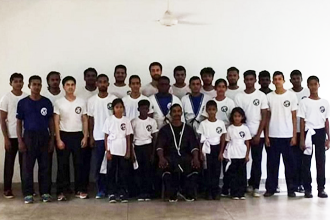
{"x": 57, "y": 107}
{"x": 154, "y": 126}
{"x": 192, "y": 140}
{"x": 294, "y": 105}
{"x": 129, "y": 129}
{"x": 4, "y": 104}
{"x": 224, "y": 130}
{"x": 269, "y": 101}
{"x": 228, "y": 134}
{"x": 162, "y": 139}
{"x": 90, "y": 107}
{"x": 106, "y": 126}
{"x": 248, "y": 134}
{"x": 301, "y": 110}
{"x": 20, "y": 111}
{"x": 264, "y": 102}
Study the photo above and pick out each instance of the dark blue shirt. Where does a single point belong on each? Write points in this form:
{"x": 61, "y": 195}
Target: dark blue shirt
{"x": 35, "y": 114}
{"x": 196, "y": 103}
{"x": 163, "y": 102}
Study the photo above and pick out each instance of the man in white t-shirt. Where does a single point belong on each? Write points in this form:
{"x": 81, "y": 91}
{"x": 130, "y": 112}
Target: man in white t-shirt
{"x": 8, "y": 107}
{"x": 131, "y": 101}
{"x": 71, "y": 128}
{"x": 255, "y": 105}
{"x": 90, "y": 88}
{"x": 162, "y": 102}
{"x": 233, "y": 88}
{"x": 120, "y": 89}
{"x": 207, "y": 75}
{"x": 155, "y": 70}
{"x": 180, "y": 88}
{"x": 281, "y": 135}
{"x": 99, "y": 108}
{"x": 301, "y": 93}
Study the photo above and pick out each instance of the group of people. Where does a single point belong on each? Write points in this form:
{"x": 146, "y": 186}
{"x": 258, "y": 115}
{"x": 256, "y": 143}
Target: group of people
{"x": 176, "y": 137}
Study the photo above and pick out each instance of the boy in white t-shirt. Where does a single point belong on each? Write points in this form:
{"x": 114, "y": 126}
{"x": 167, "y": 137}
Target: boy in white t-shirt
{"x": 314, "y": 120}
{"x": 301, "y": 93}
{"x": 233, "y": 88}
{"x": 90, "y": 88}
{"x": 8, "y": 107}
{"x": 212, "y": 133}
{"x": 207, "y": 75}
{"x": 281, "y": 135}
{"x": 119, "y": 88}
{"x": 255, "y": 105}
{"x": 71, "y": 128}
{"x": 180, "y": 88}
{"x": 144, "y": 129}
{"x": 99, "y": 109}
{"x": 131, "y": 101}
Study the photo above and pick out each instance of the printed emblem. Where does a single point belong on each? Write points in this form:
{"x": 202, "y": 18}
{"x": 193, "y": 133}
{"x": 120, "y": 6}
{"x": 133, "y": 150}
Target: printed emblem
{"x": 43, "y": 111}
{"x": 242, "y": 134}
{"x": 322, "y": 109}
{"x": 224, "y": 108}
{"x": 256, "y": 102}
{"x": 123, "y": 126}
{"x": 303, "y": 97}
{"x": 219, "y": 130}
{"x": 286, "y": 103}
{"x": 169, "y": 105}
{"x": 78, "y": 110}
{"x": 129, "y": 92}
{"x": 109, "y": 106}
{"x": 149, "y": 127}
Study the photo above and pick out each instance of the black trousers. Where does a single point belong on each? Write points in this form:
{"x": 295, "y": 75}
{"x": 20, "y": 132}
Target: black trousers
{"x": 298, "y": 161}
{"x": 256, "y": 153}
{"x": 319, "y": 141}
{"x": 72, "y": 141}
{"x": 86, "y": 154}
{"x": 9, "y": 164}
{"x": 37, "y": 149}
{"x": 143, "y": 173}
{"x": 117, "y": 175}
{"x": 212, "y": 173}
{"x": 236, "y": 176}
{"x": 50, "y": 168}
{"x": 277, "y": 147}
{"x": 100, "y": 178}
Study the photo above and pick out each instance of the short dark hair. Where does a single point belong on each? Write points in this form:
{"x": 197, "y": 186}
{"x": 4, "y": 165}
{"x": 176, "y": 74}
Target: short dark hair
{"x": 133, "y": 77}
{"x": 211, "y": 103}
{"x": 52, "y": 73}
{"x": 120, "y": 66}
{"x": 175, "y": 105}
{"x": 116, "y": 102}
{"x": 90, "y": 69}
{"x": 179, "y": 68}
{"x": 207, "y": 70}
{"x": 250, "y": 73}
{"x": 232, "y": 69}
{"x": 194, "y": 78}
{"x": 68, "y": 78}
{"x": 278, "y": 73}
{"x": 103, "y": 75}
{"x": 313, "y": 78}
{"x": 164, "y": 78}
{"x": 220, "y": 81}
{"x": 264, "y": 73}
{"x": 143, "y": 102}
{"x": 240, "y": 111}
{"x": 15, "y": 75}
{"x": 295, "y": 73}
{"x": 155, "y": 64}
{"x": 34, "y": 77}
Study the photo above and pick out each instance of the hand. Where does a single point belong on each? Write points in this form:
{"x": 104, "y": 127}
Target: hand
{"x": 247, "y": 159}
{"x": 21, "y": 146}
{"x": 202, "y": 156}
{"x": 51, "y": 145}
{"x": 327, "y": 144}
{"x": 133, "y": 158}
{"x": 91, "y": 142}
{"x": 267, "y": 142}
{"x": 255, "y": 140}
{"x": 302, "y": 146}
{"x": 84, "y": 142}
{"x": 162, "y": 163}
{"x": 109, "y": 155}
{"x": 60, "y": 145}
{"x": 220, "y": 157}
{"x": 7, "y": 144}
{"x": 293, "y": 141}
{"x": 195, "y": 163}
{"x": 127, "y": 155}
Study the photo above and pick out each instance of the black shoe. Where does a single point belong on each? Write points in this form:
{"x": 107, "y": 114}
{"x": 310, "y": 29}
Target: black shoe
{"x": 322, "y": 194}
{"x": 123, "y": 198}
{"x": 300, "y": 189}
{"x": 173, "y": 198}
{"x": 268, "y": 194}
{"x": 308, "y": 195}
{"x": 291, "y": 194}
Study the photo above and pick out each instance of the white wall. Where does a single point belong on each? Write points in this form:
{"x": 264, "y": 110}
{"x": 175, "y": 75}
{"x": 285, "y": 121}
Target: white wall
{"x": 37, "y": 36}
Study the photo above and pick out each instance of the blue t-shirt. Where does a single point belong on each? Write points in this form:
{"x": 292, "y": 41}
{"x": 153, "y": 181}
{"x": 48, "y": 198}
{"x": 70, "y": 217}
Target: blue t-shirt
{"x": 163, "y": 102}
{"x": 196, "y": 103}
{"x": 35, "y": 114}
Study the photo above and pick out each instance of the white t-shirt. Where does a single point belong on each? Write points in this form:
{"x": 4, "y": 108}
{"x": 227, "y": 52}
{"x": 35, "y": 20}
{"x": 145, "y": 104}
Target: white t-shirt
{"x": 231, "y": 93}
{"x": 236, "y": 137}
{"x": 252, "y": 104}
{"x": 281, "y": 107}
{"x": 52, "y": 97}
{"x": 315, "y": 112}
{"x": 212, "y": 130}
{"x": 143, "y": 130}
{"x": 119, "y": 91}
{"x": 149, "y": 90}
{"x": 188, "y": 110}
{"x": 212, "y": 93}
{"x": 117, "y": 129}
{"x": 180, "y": 92}
{"x": 100, "y": 109}
{"x": 224, "y": 110}
{"x": 86, "y": 94}
{"x": 158, "y": 114}
{"x": 70, "y": 113}
{"x": 8, "y": 103}
{"x": 131, "y": 106}
{"x": 304, "y": 93}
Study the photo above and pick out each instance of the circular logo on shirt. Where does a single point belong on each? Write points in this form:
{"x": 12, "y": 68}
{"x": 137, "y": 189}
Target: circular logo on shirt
{"x": 256, "y": 102}
{"x": 123, "y": 126}
{"x": 149, "y": 128}
{"x": 242, "y": 134}
{"x": 286, "y": 103}
{"x": 169, "y": 105}
{"x": 303, "y": 97}
{"x": 43, "y": 111}
{"x": 128, "y": 92}
{"x": 322, "y": 109}
{"x": 109, "y": 106}
{"x": 78, "y": 110}
{"x": 224, "y": 108}
{"x": 218, "y": 130}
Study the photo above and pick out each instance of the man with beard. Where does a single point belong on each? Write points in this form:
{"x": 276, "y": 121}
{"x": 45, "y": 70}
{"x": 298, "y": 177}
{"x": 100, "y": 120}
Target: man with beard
{"x": 177, "y": 149}
{"x": 233, "y": 88}
{"x": 120, "y": 89}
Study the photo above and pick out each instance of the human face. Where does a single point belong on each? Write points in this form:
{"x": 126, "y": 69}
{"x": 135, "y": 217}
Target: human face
{"x": 195, "y": 86}
{"x": 90, "y": 78}
{"x": 120, "y": 75}
{"x": 278, "y": 81}
{"x": 207, "y": 79}
{"x": 144, "y": 110}
{"x": 176, "y": 113}
{"x": 211, "y": 111}
{"x": 54, "y": 81}
{"x": 35, "y": 86}
{"x": 180, "y": 76}
{"x": 163, "y": 86}
{"x": 264, "y": 82}
{"x": 313, "y": 86}
{"x": 249, "y": 81}
{"x": 102, "y": 84}
{"x": 237, "y": 117}
{"x": 17, "y": 84}
{"x": 221, "y": 89}
{"x": 296, "y": 80}
{"x": 118, "y": 110}
{"x": 135, "y": 85}
{"x": 232, "y": 77}
{"x": 155, "y": 72}
{"x": 69, "y": 87}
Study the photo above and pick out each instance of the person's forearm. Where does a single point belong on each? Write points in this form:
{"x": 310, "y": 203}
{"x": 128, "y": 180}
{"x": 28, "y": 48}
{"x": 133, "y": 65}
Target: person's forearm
{"x": 91, "y": 126}
{"x": 268, "y": 115}
{"x": 19, "y": 130}
{"x": 247, "y": 143}
{"x": 195, "y": 154}
{"x": 106, "y": 142}
{"x": 327, "y": 128}
{"x": 85, "y": 126}
{"x": 160, "y": 153}
{"x": 263, "y": 122}
{"x": 57, "y": 127}
{"x": 4, "y": 127}
{"x": 302, "y": 130}
{"x": 222, "y": 143}
{"x": 294, "y": 123}
{"x": 51, "y": 128}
